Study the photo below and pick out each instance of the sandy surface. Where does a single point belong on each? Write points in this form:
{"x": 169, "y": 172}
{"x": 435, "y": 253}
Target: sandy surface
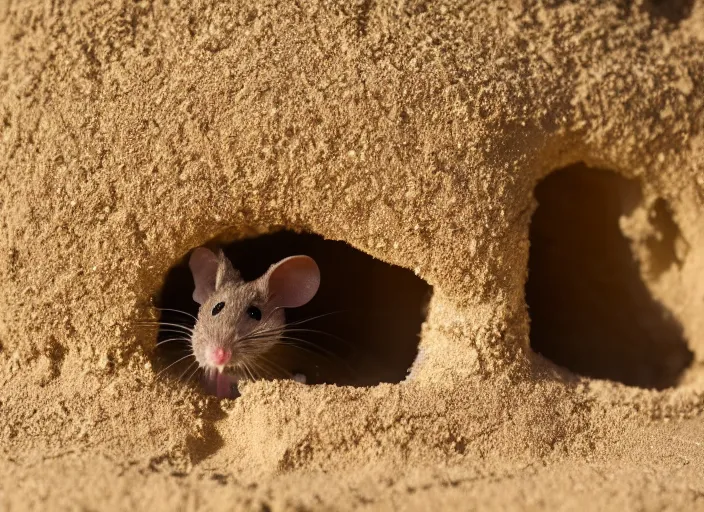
{"x": 415, "y": 132}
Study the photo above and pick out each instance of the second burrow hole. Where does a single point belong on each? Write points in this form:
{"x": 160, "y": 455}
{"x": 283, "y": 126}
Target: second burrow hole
{"x": 591, "y": 307}
{"x": 363, "y": 324}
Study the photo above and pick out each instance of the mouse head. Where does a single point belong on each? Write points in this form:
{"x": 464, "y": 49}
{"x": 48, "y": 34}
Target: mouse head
{"x": 239, "y": 320}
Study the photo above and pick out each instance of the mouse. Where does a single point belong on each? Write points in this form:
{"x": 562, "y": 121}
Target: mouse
{"x": 239, "y": 321}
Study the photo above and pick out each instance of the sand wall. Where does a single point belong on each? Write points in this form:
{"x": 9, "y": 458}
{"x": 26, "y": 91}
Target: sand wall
{"x": 415, "y": 132}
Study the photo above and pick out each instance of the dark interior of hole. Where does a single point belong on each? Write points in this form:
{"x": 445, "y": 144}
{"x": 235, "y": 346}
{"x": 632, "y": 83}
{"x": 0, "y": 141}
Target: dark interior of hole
{"x": 590, "y": 310}
{"x": 373, "y": 311}
{"x": 673, "y": 10}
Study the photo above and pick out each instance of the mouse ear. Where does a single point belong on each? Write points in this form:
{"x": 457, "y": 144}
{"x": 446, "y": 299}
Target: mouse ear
{"x": 292, "y": 282}
{"x": 210, "y": 271}
{"x": 204, "y": 267}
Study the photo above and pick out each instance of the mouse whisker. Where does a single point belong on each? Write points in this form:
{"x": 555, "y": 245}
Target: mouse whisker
{"x": 254, "y": 345}
{"x": 183, "y": 350}
{"x": 253, "y": 371}
{"x": 193, "y": 374}
{"x": 177, "y": 336}
{"x": 167, "y": 324}
{"x": 298, "y": 322}
{"x": 264, "y": 333}
{"x": 316, "y": 331}
{"x": 258, "y": 337}
{"x": 317, "y": 317}
{"x": 265, "y": 320}
{"x": 246, "y": 349}
{"x": 174, "y": 331}
{"x": 188, "y": 368}
{"x": 242, "y": 365}
{"x": 172, "y": 339}
{"x": 159, "y": 322}
{"x": 262, "y": 371}
{"x": 249, "y": 337}
{"x": 264, "y": 360}
{"x": 172, "y": 364}
{"x": 284, "y": 330}
{"x": 316, "y": 350}
{"x": 259, "y": 371}
{"x": 261, "y": 329}
{"x": 177, "y": 311}
{"x": 274, "y": 310}
{"x": 178, "y": 326}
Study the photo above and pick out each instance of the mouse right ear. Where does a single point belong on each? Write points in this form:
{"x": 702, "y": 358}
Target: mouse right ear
{"x": 209, "y": 271}
{"x": 292, "y": 282}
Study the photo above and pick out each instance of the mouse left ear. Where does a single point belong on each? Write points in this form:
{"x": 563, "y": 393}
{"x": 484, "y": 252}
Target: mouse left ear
{"x": 292, "y": 282}
{"x": 210, "y": 271}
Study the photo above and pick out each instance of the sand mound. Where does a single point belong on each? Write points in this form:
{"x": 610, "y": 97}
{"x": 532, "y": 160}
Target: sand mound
{"x": 419, "y": 133}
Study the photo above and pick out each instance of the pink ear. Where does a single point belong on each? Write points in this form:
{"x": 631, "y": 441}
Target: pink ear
{"x": 204, "y": 267}
{"x": 292, "y": 282}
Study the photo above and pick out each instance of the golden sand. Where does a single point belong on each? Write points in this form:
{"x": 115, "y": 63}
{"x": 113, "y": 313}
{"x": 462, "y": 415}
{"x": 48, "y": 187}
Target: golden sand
{"x": 414, "y": 131}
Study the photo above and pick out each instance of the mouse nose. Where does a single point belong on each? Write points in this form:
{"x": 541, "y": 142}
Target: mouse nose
{"x": 221, "y": 356}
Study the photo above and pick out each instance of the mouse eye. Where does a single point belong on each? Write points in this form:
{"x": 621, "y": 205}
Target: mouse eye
{"x": 218, "y": 307}
{"x": 254, "y": 313}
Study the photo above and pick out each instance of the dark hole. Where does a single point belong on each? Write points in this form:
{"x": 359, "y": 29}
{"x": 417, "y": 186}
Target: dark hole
{"x": 373, "y": 312}
{"x": 672, "y": 10}
{"x": 590, "y": 310}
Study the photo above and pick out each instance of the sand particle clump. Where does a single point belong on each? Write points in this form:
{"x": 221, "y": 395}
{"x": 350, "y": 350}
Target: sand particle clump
{"x": 415, "y": 132}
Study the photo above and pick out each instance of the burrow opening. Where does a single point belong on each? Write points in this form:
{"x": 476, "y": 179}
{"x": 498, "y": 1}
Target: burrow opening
{"x": 590, "y": 308}
{"x": 364, "y": 322}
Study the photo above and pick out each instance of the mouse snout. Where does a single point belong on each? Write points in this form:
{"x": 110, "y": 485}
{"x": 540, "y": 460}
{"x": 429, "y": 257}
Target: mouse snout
{"x": 220, "y": 356}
